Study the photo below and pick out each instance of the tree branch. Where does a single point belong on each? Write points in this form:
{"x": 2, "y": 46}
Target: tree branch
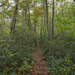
{"x": 3, "y": 3}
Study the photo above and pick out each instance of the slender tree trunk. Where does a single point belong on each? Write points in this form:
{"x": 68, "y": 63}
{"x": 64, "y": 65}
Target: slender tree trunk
{"x": 12, "y": 27}
{"x": 25, "y": 14}
{"x": 35, "y": 30}
{"x": 41, "y": 30}
{"x": 50, "y": 26}
{"x": 47, "y": 19}
{"x": 2, "y": 29}
{"x": 44, "y": 19}
{"x": 25, "y": 19}
{"x": 3, "y": 26}
{"x": 63, "y": 13}
{"x": 53, "y": 20}
{"x": 29, "y": 21}
{"x": 63, "y": 17}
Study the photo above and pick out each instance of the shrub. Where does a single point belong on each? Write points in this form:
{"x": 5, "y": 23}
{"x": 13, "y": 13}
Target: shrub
{"x": 60, "y": 55}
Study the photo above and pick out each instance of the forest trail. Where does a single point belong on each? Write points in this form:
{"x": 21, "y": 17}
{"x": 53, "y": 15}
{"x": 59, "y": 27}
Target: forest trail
{"x": 40, "y": 64}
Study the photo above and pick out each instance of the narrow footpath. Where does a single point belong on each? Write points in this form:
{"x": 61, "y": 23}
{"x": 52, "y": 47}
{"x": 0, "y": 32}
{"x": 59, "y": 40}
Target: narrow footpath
{"x": 40, "y": 64}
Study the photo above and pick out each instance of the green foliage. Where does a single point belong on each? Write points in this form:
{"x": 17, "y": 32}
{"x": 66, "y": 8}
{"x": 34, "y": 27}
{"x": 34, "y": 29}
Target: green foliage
{"x": 16, "y": 52}
{"x": 61, "y": 66}
{"x": 60, "y": 55}
{"x": 16, "y": 58}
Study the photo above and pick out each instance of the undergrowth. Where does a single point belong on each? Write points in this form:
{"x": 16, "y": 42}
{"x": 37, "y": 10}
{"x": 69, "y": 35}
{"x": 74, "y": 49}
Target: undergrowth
{"x": 16, "y": 59}
{"x": 60, "y": 55}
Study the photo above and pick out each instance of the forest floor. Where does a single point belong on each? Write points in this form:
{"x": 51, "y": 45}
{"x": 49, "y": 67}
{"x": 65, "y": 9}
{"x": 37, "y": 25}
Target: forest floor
{"x": 40, "y": 64}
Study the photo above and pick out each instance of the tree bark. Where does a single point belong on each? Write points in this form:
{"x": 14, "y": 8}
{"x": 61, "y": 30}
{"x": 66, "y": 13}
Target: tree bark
{"x": 12, "y": 27}
{"x": 63, "y": 14}
{"x": 47, "y": 19}
{"x": 53, "y": 20}
{"x": 44, "y": 19}
{"x": 41, "y": 30}
{"x": 29, "y": 21}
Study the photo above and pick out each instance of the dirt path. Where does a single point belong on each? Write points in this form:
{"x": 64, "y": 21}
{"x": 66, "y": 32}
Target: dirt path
{"x": 39, "y": 67}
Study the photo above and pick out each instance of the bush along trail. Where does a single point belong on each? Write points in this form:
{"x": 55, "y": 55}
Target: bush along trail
{"x": 40, "y": 65}
{"x": 60, "y": 56}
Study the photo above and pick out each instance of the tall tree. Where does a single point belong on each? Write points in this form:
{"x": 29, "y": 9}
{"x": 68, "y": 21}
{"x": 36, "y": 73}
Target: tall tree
{"x": 53, "y": 20}
{"x": 44, "y": 18}
{"x": 12, "y": 27}
{"x": 47, "y": 19}
{"x": 29, "y": 22}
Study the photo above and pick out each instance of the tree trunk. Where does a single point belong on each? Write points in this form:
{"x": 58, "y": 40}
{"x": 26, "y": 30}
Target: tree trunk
{"x": 12, "y": 27}
{"x": 35, "y": 30}
{"x": 44, "y": 19}
{"x": 29, "y": 21}
{"x": 63, "y": 14}
{"x": 41, "y": 30}
{"x": 53, "y": 20}
{"x": 47, "y": 19}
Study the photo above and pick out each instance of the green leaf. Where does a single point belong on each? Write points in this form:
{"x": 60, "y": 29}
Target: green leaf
{"x": 11, "y": 55}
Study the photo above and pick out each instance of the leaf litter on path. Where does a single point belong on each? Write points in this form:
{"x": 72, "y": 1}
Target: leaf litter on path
{"x": 40, "y": 65}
